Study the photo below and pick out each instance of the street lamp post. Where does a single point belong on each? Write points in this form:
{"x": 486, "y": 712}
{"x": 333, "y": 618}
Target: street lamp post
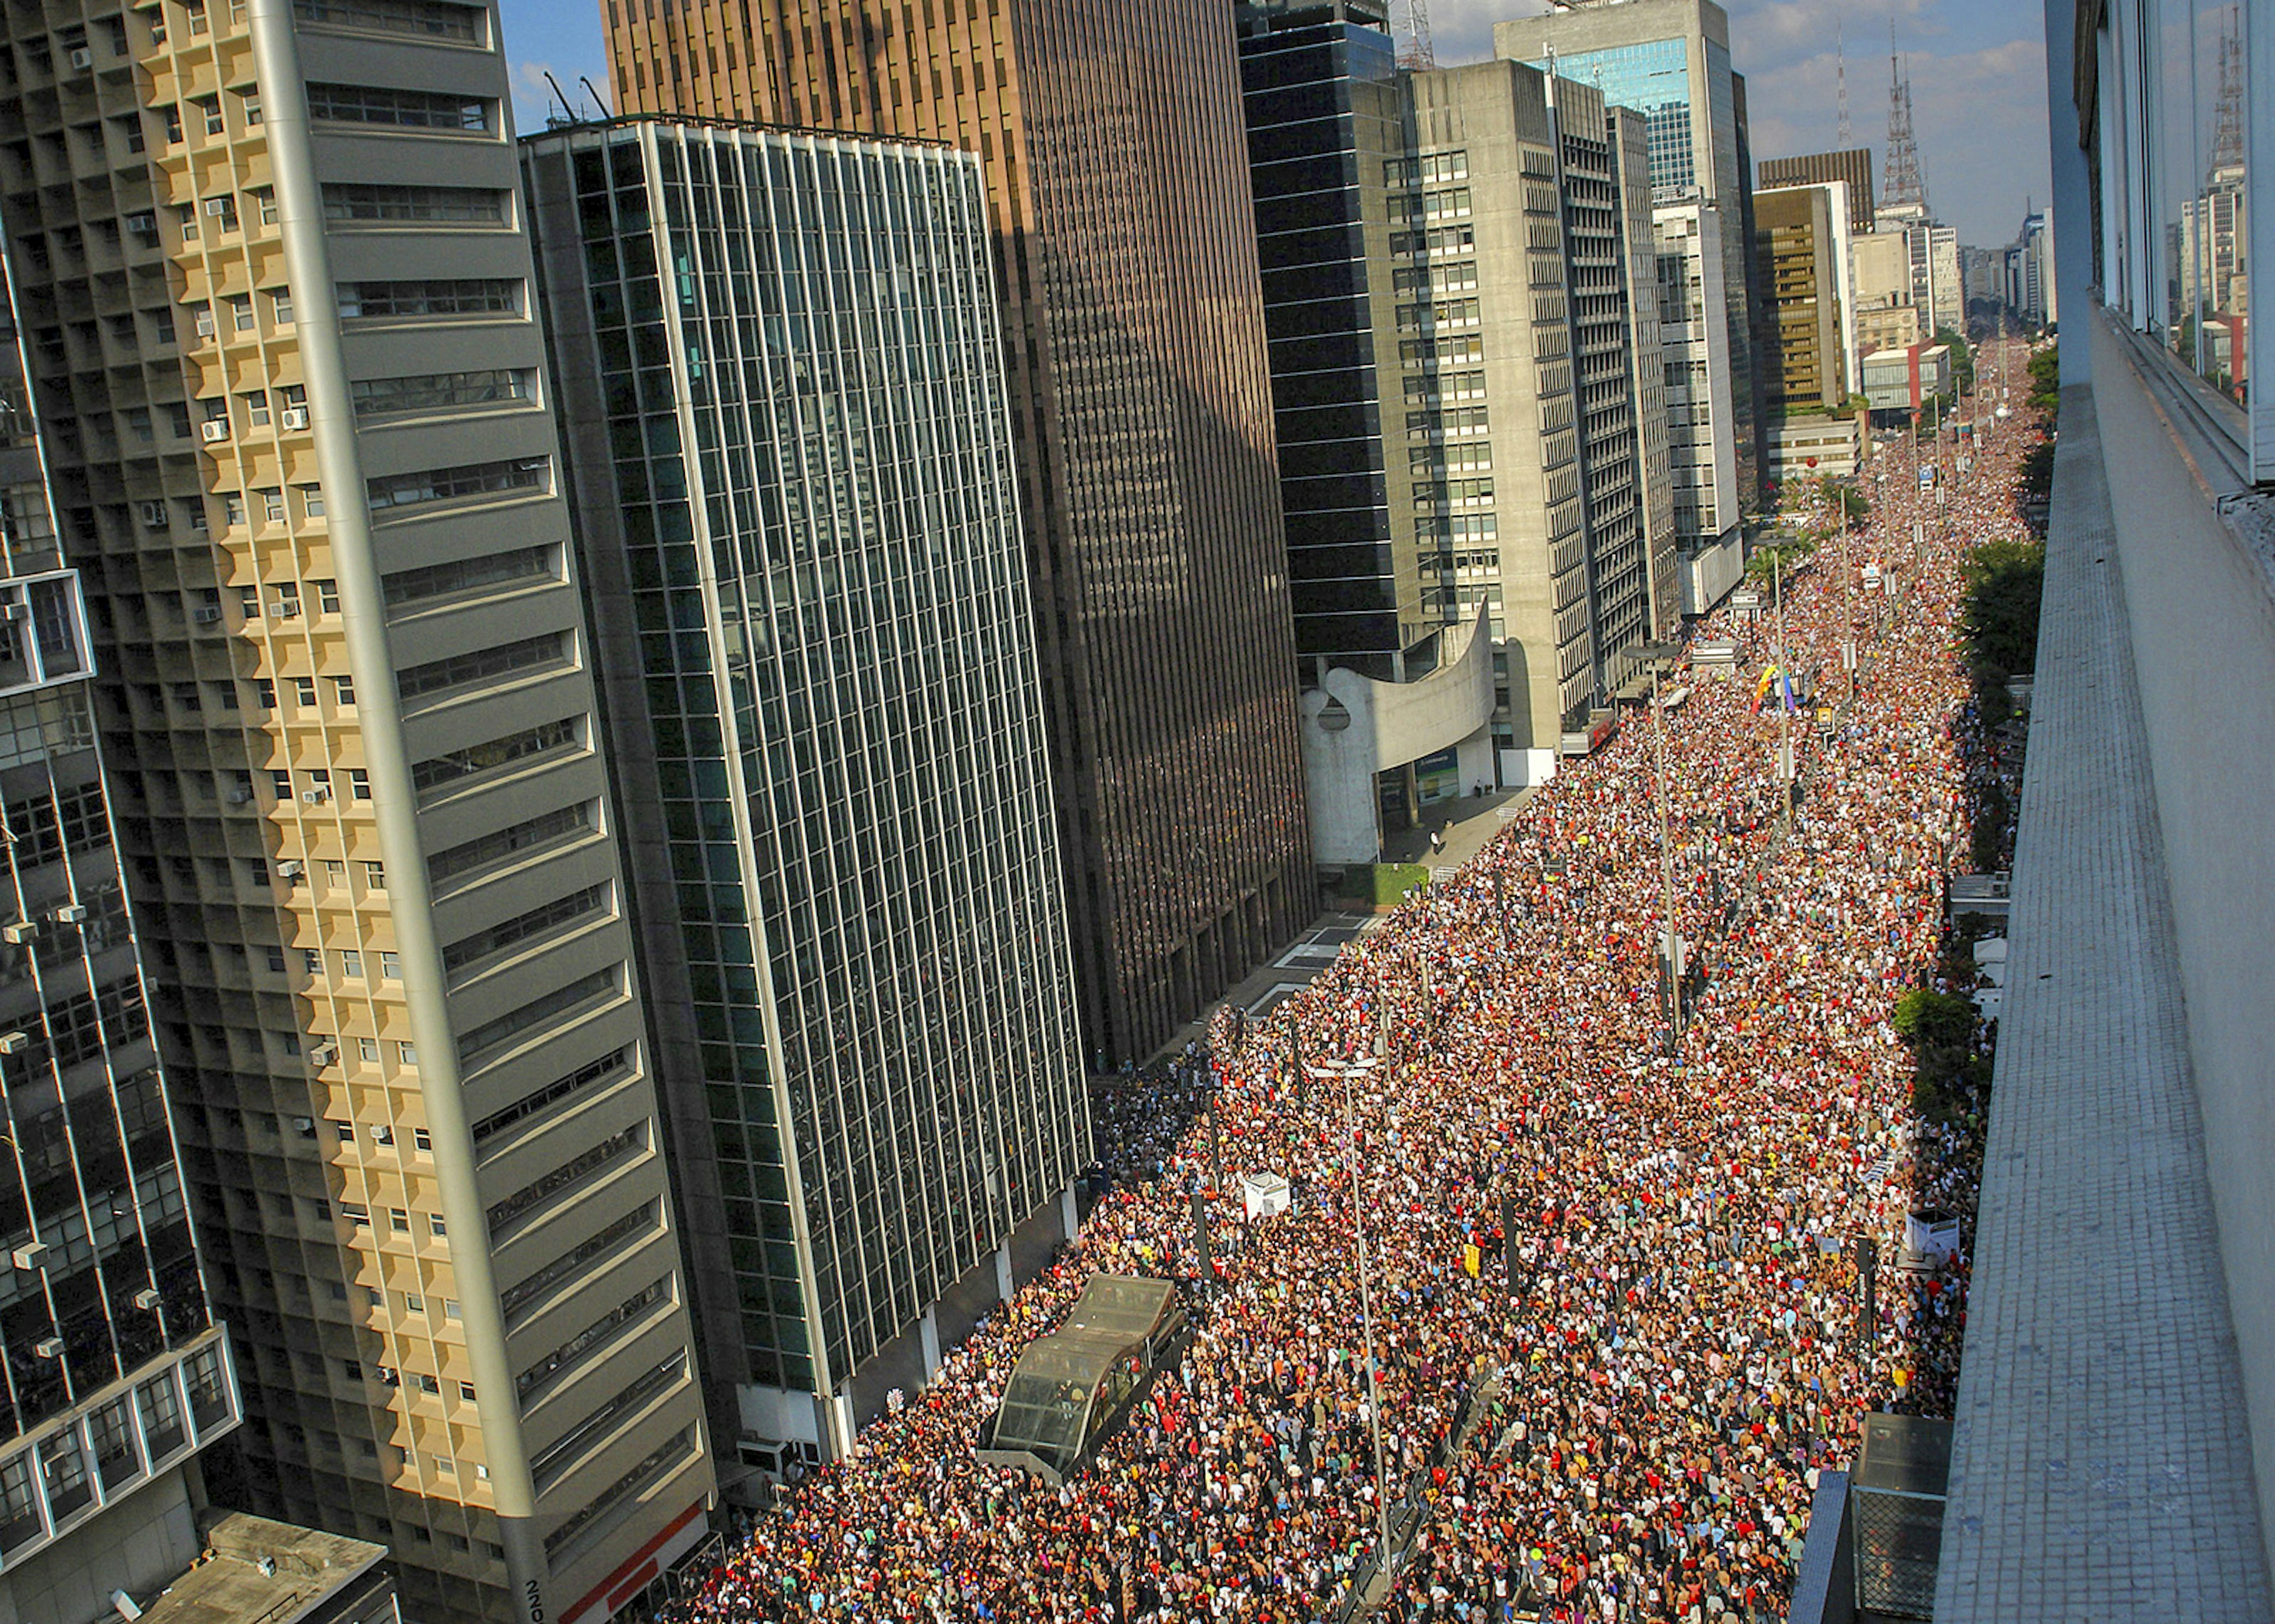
{"x": 1348, "y": 1070}
{"x": 1660, "y": 654}
{"x": 1784, "y": 685}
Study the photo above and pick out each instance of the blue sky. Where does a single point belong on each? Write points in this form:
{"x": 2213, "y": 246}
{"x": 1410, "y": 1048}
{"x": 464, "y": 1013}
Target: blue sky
{"x": 1977, "y": 72}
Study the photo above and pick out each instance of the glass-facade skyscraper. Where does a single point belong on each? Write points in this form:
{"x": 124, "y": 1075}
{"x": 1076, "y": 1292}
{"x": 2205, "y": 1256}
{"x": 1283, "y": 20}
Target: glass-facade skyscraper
{"x": 788, "y": 436}
{"x": 1134, "y": 341}
{"x": 113, "y": 1376}
{"x": 1670, "y": 61}
{"x": 1325, "y": 110}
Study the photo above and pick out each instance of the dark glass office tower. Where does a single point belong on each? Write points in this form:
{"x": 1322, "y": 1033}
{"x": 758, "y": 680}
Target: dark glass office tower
{"x": 1133, "y": 330}
{"x": 793, "y": 478}
{"x": 113, "y": 1376}
{"x": 1324, "y": 113}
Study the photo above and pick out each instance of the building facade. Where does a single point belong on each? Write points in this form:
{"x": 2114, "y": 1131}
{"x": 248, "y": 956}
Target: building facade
{"x": 1628, "y": 136}
{"x": 2031, "y": 291}
{"x": 1540, "y": 428}
{"x": 2145, "y": 789}
{"x": 277, "y": 293}
{"x": 1670, "y": 60}
{"x": 786, "y": 417}
{"x": 1852, "y": 167}
{"x": 1799, "y": 247}
{"x": 1134, "y": 334}
{"x": 1423, "y": 214}
{"x": 113, "y": 1378}
{"x": 1702, "y": 442}
{"x": 1326, "y": 118}
{"x": 1932, "y": 253}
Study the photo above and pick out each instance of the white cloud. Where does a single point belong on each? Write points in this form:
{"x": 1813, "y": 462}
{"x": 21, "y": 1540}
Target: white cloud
{"x": 1977, "y": 73}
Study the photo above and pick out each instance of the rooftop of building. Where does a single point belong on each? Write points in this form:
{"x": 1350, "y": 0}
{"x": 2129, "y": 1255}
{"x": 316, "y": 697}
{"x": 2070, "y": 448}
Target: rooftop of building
{"x": 2101, "y": 1462}
{"x": 256, "y": 1569}
{"x": 631, "y": 122}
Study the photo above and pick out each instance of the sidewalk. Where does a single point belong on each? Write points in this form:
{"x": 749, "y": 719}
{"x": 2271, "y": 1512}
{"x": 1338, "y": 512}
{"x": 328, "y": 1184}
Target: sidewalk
{"x": 1468, "y": 822}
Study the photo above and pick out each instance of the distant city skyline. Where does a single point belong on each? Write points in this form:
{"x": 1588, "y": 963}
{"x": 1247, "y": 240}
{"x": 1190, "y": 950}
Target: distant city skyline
{"x": 1977, "y": 71}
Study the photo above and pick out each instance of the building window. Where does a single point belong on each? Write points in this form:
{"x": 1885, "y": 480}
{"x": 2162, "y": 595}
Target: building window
{"x": 409, "y": 110}
{"x": 429, "y": 205}
{"x": 440, "y": 391}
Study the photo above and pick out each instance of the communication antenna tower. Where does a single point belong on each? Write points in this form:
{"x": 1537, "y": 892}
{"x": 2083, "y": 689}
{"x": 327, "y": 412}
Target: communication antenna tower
{"x": 2227, "y": 110}
{"x": 1840, "y": 71}
{"x": 1904, "y": 188}
{"x": 1415, "y": 54}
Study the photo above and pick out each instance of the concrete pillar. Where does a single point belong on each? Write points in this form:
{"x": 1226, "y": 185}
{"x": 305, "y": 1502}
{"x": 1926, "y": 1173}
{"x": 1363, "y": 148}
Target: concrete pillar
{"x": 928, "y": 1336}
{"x": 1004, "y": 1287}
{"x": 1069, "y": 1213}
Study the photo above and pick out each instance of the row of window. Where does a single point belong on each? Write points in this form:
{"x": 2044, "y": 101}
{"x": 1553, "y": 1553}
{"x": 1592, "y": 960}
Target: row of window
{"x": 525, "y": 926}
{"x": 418, "y": 1381}
{"x": 523, "y": 1292}
{"x": 224, "y": 695}
{"x": 456, "y": 765}
{"x": 415, "y": 490}
{"x": 485, "y": 296}
{"x": 592, "y": 1337}
{"x": 1446, "y": 386}
{"x": 1428, "y": 168}
{"x": 1454, "y": 275}
{"x": 460, "y": 576}
{"x": 1443, "y": 313}
{"x": 1445, "y": 239}
{"x": 585, "y": 989}
{"x": 611, "y": 1064}
{"x": 502, "y": 1215}
{"x": 1449, "y": 347}
{"x": 429, "y": 20}
{"x": 549, "y": 1467}
{"x": 380, "y": 203}
{"x": 351, "y": 963}
{"x": 441, "y": 391}
{"x": 524, "y": 655}
{"x": 546, "y": 829}
{"x": 408, "y": 109}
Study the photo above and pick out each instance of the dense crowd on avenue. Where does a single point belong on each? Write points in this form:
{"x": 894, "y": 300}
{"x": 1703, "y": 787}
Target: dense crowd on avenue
{"x": 1654, "y": 1367}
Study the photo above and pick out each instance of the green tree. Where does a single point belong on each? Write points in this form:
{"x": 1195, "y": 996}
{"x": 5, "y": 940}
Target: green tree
{"x": 1962, "y": 359}
{"x": 2045, "y": 379}
{"x": 1784, "y": 555}
{"x": 2005, "y": 581}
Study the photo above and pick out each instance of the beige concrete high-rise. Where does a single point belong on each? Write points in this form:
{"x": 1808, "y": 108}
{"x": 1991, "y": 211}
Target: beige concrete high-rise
{"x": 1133, "y": 340}
{"x": 277, "y": 298}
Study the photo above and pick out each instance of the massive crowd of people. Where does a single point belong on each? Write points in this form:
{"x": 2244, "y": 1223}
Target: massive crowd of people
{"x": 1618, "y": 1410}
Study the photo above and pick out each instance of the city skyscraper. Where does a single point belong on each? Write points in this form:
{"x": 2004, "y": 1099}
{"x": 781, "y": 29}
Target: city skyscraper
{"x": 1627, "y": 137}
{"x": 1853, "y": 165}
{"x": 1800, "y": 251}
{"x": 277, "y": 292}
{"x": 809, "y": 589}
{"x": 1411, "y": 222}
{"x": 1670, "y": 61}
{"x": 1134, "y": 339}
{"x": 113, "y": 1378}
